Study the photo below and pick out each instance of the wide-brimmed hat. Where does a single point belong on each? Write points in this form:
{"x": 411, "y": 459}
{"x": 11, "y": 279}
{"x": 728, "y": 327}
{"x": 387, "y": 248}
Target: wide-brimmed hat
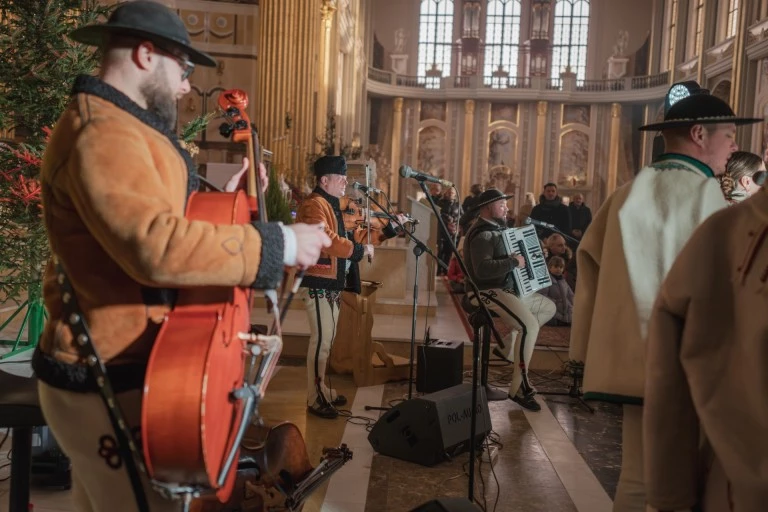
{"x": 698, "y": 109}
{"x": 330, "y": 164}
{"x": 489, "y": 196}
{"x": 148, "y": 20}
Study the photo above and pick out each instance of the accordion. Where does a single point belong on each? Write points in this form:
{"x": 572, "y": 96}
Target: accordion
{"x": 535, "y": 275}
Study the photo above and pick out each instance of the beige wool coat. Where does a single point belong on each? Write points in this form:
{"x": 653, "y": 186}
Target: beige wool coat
{"x": 707, "y": 363}
{"x": 622, "y": 259}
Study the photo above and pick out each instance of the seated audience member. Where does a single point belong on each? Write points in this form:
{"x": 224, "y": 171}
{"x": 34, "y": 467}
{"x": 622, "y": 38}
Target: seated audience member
{"x": 744, "y": 175}
{"x": 560, "y": 293}
{"x": 555, "y": 246}
{"x": 455, "y": 275}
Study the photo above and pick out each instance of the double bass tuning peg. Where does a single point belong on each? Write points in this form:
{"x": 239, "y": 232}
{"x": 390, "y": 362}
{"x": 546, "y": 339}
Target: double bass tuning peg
{"x": 226, "y": 130}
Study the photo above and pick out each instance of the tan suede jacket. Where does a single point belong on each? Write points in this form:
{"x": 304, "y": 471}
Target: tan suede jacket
{"x": 114, "y": 190}
{"x": 707, "y": 365}
{"x": 330, "y": 271}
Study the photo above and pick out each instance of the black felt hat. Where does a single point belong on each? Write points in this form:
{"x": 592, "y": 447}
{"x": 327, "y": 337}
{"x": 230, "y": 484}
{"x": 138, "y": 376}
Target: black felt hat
{"x": 489, "y": 196}
{"x": 698, "y": 109}
{"x": 330, "y": 165}
{"x": 148, "y": 20}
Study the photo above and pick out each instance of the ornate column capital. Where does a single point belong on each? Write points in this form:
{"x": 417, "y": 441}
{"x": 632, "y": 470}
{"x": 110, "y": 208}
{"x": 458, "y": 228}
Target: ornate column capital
{"x": 469, "y": 107}
{"x": 327, "y": 10}
{"x": 398, "y": 104}
{"x": 541, "y": 108}
{"x": 615, "y": 110}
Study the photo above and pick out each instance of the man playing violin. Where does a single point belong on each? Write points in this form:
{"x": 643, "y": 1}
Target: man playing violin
{"x": 115, "y": 183}
{"x": 336, "y": 270}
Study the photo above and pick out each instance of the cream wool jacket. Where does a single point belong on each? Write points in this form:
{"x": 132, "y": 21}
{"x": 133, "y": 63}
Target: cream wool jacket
{"x": 625, "y": 254}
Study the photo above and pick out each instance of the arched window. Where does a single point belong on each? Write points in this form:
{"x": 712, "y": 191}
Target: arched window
{"x": 569, "y": 48}
{"x": 672, "y": 34}
{"x": 435, "y": 41}
{"x": 699, "y": 17}
{"x": 733, "y": 18}
{"x": 502, "y": 40}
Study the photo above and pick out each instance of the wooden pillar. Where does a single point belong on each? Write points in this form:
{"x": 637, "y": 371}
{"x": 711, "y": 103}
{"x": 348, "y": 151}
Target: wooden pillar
{"x": 466, "y": 167}
{"x": 613, "y": 150}
{"x": 397, "y": 136}
{"x": 541, "y": 142}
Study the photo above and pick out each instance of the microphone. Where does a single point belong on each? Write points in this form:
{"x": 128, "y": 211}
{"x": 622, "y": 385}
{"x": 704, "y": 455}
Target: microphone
{"x": 363, "y": 188}
{"x": 408, "y": 172}
{"x": 540, "y": 223}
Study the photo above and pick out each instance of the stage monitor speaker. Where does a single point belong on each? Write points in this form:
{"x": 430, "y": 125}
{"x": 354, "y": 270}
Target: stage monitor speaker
{"x": 439, "y": 365}
{"x": 448, "y": 505}
{"x": 432, "y": 428}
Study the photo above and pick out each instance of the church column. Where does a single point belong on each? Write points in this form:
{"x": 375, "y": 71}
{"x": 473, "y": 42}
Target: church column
{"x": 541, "y": 140}
{"x": 324, "y": 65}
{"x": 466, "y": 167}
{"x": 613, "y": 151}
{"x": 302, "y": 134}
{"x": 739, "y": 59}
{"x": 397, "y": 136}
{"x": 707, "y": 12}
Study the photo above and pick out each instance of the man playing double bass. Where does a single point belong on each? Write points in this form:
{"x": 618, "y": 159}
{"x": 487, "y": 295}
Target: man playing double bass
{"x": 114, "y": 185}
{"x": 335, "y": 271}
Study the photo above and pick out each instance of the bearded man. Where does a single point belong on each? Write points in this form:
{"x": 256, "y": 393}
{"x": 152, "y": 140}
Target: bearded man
{"x": 115, "y": 183}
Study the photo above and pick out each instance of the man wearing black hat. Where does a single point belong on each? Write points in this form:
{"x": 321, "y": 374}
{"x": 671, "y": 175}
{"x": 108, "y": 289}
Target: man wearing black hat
{"x": 115, "y": 184}
{"x": 490, "y": 267}
{"x": 335, "y": 271}
{"x": 625, "y": 255}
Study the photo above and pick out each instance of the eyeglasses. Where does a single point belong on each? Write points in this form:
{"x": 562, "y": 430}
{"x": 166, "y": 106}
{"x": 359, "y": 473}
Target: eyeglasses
{"x": 187, "y": 66}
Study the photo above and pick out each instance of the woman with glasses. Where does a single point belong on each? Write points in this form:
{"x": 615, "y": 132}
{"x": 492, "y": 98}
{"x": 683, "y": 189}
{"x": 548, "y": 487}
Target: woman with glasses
{"x": 744, "y": 175}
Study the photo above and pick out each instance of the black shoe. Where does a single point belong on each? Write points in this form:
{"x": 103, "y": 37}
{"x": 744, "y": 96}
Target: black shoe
{"x": 323, "y": 410}
{"x": 339, "y": 401}
{"x": 526, "y": 402}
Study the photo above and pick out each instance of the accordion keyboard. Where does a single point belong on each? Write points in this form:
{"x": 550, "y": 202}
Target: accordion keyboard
{"x": 535, "y": 275}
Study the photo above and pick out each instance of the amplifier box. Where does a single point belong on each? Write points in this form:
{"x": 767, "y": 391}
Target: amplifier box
{"x": 440, "y": 365}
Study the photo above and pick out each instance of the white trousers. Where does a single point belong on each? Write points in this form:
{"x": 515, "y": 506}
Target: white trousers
{"x": 524, "y": 316}
{"x": 323, "y": 315}
{"x": 80, "y": 423}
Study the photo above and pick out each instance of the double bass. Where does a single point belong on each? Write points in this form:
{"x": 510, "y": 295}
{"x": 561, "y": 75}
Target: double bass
{"x": 201, "y": 391}
{"x": 197, "y": 400}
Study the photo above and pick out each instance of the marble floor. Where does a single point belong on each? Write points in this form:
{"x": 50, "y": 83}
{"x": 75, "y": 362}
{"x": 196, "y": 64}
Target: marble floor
{"x": 563, "y": 458}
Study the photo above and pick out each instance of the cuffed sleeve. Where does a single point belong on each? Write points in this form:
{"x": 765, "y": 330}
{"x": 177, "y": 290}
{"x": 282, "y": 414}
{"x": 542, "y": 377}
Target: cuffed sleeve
{"x": 272, "y": 253}
{"x": 390, "y": 230}
{"x": 357, "y": 253}
{"x": 291, "y": 247}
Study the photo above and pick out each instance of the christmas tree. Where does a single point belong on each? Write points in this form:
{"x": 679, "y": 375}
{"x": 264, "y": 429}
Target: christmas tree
{"x": 38, "y": 64}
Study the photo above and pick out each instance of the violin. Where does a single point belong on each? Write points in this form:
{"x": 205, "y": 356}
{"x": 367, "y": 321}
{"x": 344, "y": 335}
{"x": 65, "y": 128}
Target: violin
{"x": 356, "y": 216}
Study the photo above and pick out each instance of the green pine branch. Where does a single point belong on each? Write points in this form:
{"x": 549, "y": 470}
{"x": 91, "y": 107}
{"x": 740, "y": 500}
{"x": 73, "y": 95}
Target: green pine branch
{"x": 38, "y": 65}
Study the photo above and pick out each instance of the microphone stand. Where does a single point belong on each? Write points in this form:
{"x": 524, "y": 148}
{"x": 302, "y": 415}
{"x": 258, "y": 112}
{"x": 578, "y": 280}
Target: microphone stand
{"x": 418, "y": 249}
{"x": 479, "y": 319}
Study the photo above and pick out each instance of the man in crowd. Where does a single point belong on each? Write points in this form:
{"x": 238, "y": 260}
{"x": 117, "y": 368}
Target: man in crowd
{"x": 490, "y": 267}
{"x": 625, "y": 255}
{"x": 552, "y": 211}
{"x": 115, "y": 183}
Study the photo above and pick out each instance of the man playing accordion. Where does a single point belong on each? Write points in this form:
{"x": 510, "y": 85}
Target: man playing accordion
{"x": 490, "y": 267}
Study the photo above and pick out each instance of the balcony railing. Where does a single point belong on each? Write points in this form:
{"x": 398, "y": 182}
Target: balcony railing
{"x": 517, "y": 82}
